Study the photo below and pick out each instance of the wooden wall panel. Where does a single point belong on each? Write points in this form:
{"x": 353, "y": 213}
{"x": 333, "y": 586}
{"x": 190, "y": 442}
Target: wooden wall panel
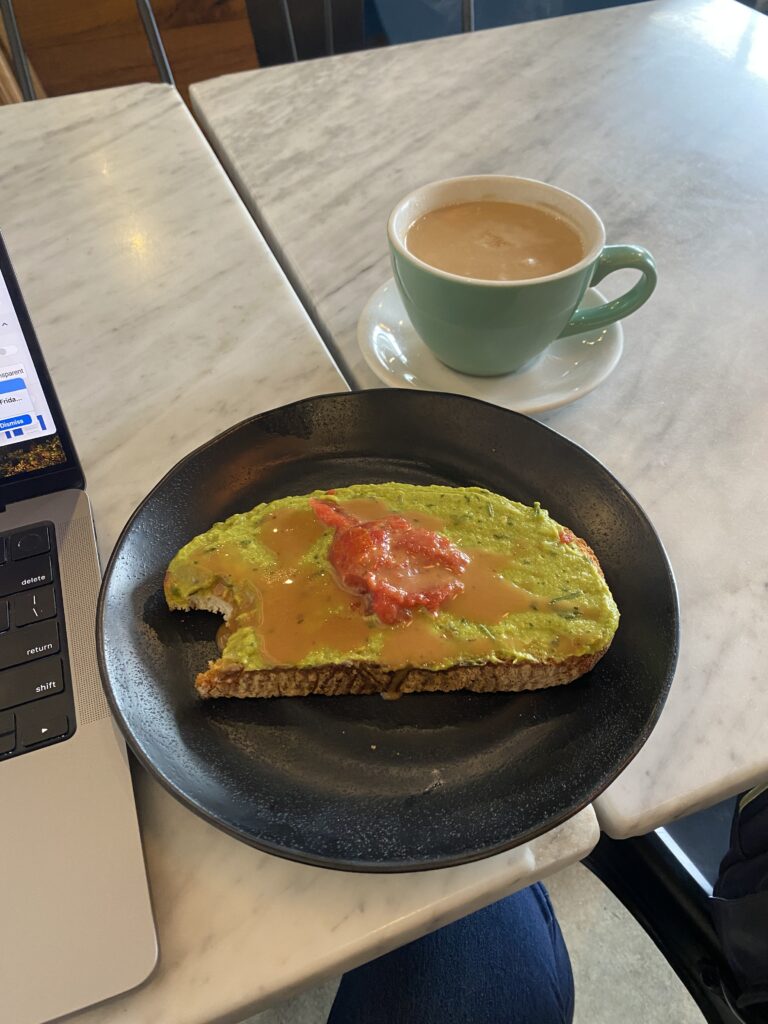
{"x": 94, "y": 44}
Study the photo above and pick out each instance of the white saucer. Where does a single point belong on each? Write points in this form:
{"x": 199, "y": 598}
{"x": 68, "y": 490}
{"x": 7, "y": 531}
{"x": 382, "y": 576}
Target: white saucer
{"x": 567, "y": 370}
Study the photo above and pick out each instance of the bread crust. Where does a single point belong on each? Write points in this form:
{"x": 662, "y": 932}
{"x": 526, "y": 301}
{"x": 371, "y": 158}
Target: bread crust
{"x": 229, "y": 679}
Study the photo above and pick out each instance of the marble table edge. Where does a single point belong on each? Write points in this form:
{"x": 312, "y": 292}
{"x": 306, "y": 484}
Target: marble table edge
{"x": 231, "y": 171}
{"x": 476, "y": 896}
{"x": 622, "y": 821}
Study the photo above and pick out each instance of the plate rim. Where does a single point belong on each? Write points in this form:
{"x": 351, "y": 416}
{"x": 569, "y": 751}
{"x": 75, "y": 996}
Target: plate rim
{"x": 340, "y": 863}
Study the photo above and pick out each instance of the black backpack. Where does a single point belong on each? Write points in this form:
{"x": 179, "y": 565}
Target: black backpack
{"x": 740, "y": 903}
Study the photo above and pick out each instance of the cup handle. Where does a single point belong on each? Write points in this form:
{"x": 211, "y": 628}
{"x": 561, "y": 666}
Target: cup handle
{"x": 615, "y": 257}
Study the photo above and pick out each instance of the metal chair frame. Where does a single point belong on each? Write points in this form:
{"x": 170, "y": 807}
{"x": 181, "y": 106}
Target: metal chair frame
{"x": 21, "y": 65}
{"x": 19, "y": 58}
{"x": 280, "y": 39}
{"x": 157, "y": 49}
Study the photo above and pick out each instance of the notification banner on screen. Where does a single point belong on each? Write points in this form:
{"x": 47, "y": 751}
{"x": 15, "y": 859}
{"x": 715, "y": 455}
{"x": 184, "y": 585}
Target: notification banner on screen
{"x": 24, "y": 412}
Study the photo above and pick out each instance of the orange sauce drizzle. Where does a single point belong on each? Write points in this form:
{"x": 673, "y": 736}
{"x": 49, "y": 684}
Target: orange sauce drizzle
{"x": 298, "y": 609}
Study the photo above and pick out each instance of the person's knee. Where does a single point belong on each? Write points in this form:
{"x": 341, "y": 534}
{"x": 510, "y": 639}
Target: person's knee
{"x": 506, "y": 964}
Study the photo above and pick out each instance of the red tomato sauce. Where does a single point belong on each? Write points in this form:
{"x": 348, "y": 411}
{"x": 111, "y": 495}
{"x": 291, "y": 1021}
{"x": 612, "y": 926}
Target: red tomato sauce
{"x": 398, "y": 566}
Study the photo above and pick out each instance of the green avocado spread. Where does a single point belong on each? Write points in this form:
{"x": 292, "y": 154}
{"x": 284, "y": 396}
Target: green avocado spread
{"x": 550, "y": 601}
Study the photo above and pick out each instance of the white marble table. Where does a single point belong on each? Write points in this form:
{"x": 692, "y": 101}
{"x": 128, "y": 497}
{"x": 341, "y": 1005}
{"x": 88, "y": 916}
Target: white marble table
{"x": 657, "y": 114}
{"x": 164, "y": 319}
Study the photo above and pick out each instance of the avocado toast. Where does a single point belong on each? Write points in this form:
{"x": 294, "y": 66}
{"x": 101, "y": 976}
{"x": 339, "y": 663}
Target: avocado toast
{"x": 394, "y": 588}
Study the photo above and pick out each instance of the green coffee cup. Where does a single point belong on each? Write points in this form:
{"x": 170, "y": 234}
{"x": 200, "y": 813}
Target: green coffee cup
{"x": 488, "y": 328}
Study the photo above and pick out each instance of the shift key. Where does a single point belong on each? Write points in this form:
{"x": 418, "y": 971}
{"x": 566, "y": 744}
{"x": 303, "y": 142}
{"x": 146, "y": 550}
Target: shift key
{"x": 19, "y": 576}
{"x": 25, "y": 683}
{"x": 29, "y": 643}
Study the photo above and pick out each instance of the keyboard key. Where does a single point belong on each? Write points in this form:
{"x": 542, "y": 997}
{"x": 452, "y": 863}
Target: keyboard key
{"x": 38, "y": 723}
{"x": 22, "y": 645}
{"x": 30, "y": 542}
{"x": 19, "y": 576}
{"x": 34, "y": 606}
{"x": 25, "y": 683}
{"x": 36, "y": 700}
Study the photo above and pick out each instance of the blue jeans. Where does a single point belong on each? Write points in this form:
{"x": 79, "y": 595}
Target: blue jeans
{"x": 506, "y": 964}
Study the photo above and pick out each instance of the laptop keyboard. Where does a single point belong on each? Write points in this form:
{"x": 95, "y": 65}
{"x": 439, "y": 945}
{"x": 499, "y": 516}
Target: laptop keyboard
{"x": 36, "y": 701}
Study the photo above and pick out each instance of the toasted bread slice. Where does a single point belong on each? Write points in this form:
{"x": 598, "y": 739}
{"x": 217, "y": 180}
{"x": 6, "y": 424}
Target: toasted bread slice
{"x": 228, "y": 680}
{"x": 508, "y": 667}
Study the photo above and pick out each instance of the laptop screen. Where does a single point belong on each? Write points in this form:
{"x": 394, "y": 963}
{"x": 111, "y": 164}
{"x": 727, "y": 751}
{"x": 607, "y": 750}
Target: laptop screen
{"x": 36, "y": 452}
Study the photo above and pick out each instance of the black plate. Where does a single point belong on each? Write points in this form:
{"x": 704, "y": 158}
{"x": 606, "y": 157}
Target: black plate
{"x": 358, "y": 782}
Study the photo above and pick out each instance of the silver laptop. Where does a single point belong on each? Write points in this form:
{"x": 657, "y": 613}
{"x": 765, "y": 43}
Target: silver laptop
{"x": 74, "y": 904}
